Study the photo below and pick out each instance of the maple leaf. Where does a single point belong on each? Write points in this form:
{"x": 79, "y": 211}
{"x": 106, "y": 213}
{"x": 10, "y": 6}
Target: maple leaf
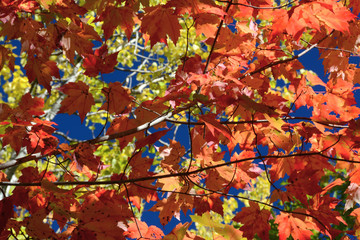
{"x": 79, "y": 99}
{"x": 151, "y": 139}
{"x": 172, "y": 155}
{"x": 99, "y": 62}
{"x": 14, "y": 136}
{"x": 118, "y": 99}
{"x": 140, "y": 166}
{"x": 226, "y": 231}
{"x": 32, "y": 106}
{"x": 121, "y": 124}
{"x": 36, "y": 227}
{"x": 28, "y": 107}
{"x": 206, "y": 24}
{"x": 75, "y": 38}
{"x": 219, "y": 178}
{"x": 323, "y": 209}
{"x": 6, "y": 212}
{"x": 42, "y": 72}
{"x": 337, "y": 18}
{"x": 148, "y": 111}
{"x": 140, "y": 229}
{"x": 168, "y": 184}
{"x": 179, "y": 232}
{"x": 208, "y": 202}
{"x": 303, "y": 183}
{"x": 29, "y": 174}
{"x": 40, "y": 139}
{"x": 115, "y": 16}
{"x": 245, "y": 171}
{"x": 84, "y": 155}
{"x": 6, "y": 56}
{"x": 213, "y": 125}
{"x": 282, "y": 166}
{"x": 70, "y": 9}
{"x": 159, "y": 22}
{"x": 297, "y": 227}
{"x": 255, "y": 221}
{"x": 100, "y": 214}
{"x": 194, "y": 7}
{"x": 171, "y": 206}
{"x": 5, "y": 111}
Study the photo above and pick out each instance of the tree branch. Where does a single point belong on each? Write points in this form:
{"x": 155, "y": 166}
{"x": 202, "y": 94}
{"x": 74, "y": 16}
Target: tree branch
{"x": 179, "y": 174}
{"x": 142, "y": 127}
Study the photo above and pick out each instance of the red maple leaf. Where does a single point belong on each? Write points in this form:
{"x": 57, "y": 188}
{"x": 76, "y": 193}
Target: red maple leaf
{"x": 42, "y": 72}
{"x": 101, "y": 214}
{"x": 99, "y": 62}
{"x": 28, "y": 107}
{"x": 115, "y": 16}
{"x": 121, "y": 124}
{"x": 32, "y": 106}
{"x": 215, "y": 127}
{"x": 255, "y": 221}
{"x": 79, "y": 99}
{"x": 5, "y": 111}
{"x": 14, "y": 136}
{"x": 6, "y": 212}
{"x": 206, "y": 203}
{"x": 75, "y": 37}
{"x": 5, "y": 55}
{"x": 159, "y": 22}
{"x": 172, "y": 155}
{"x": 151, "y": 139}
{"x": 40, "y": 139}
{"x": 84, "y": 155}
{"x": 118, "y": 99}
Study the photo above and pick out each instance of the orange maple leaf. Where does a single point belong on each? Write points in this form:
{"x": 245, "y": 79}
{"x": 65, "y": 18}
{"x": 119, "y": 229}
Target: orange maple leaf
{"x": 290, "y": 225}
{"x": 140, "y": 229}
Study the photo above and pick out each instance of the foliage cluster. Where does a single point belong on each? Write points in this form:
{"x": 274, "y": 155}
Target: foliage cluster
{"x": 213, "y": 116}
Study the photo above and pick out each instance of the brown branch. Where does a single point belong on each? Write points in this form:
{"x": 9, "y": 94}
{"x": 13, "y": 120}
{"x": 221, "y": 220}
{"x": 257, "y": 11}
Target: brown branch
{"x": 216, "y": 37}
{"x": 234, "y": 196}
{"x": 162, "y": 118}
{"x": 285, "y": 60}
{"x": 328, "y": 124}
{"x": 255, "y": 7}
{"x": 142, "y": 127}
{"x": 332, "y": 49}
{"x": 261, "y": 158}
{"x": 179, "y": 174}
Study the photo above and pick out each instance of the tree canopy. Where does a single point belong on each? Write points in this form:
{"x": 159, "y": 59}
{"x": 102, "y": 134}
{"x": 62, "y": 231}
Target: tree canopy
{"x": 195, "y": 110}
